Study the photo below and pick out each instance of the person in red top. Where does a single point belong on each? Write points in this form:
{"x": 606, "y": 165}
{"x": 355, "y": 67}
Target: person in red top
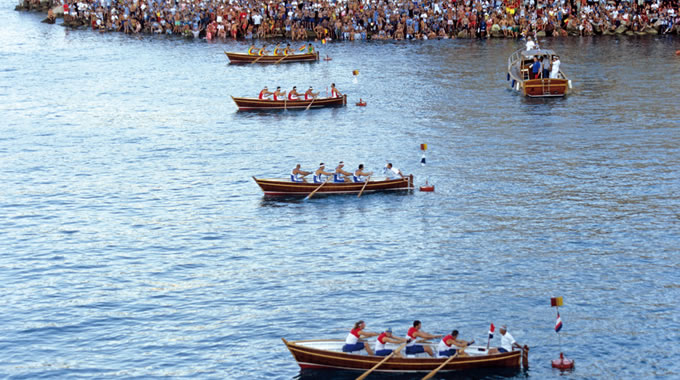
{"x": 384, "y": 338}
{"x": 293, "y": 94}
{"x": 413, "y": 334}
{"x": 334, "y": 91}
{"x": 309, "y": 94}
{"x": 278, "y": 94}
{"x": 265, "y": 93}
{"x": 447, "y": 346}
{"x": 352, "y": 342}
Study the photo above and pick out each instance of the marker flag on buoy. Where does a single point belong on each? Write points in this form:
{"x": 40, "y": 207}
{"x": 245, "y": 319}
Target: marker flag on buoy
{"x": 323, "y": 41}
{"x": 355, "y": 72}
{"x": 558, "y": 324}
{"x": 556, "y": 301}
{"x": 423, "y": 146}
{"x": 422, "y": 160}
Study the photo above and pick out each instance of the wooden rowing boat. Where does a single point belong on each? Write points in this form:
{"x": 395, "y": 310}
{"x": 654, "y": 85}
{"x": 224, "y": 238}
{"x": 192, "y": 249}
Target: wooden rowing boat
{"x": 255, "y": 104}
{"x": 279, "y": 187}
{"x": 519, "y": 69}
{"x": 251, "y": 58}
{"x": 327, "y": 354}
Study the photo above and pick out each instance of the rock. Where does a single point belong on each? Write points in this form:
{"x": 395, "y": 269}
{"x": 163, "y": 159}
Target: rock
{"x": 58, "y": 11}
{"x": 650, "y": 30}
{"x": 540, "y": 33}
{"x": 630, "y": 33}
{"x": 463, "y": 34}
{"x": 596, "y": 28}
{"x": 621, "y": 29}
{"x": 497, "y": 34}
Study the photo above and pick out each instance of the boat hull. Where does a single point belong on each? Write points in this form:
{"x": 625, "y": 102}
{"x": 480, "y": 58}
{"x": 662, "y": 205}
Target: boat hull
{"x": 272, "y": 187}
{"x": 240, "y": 58}
{"x": 519, "y": 67}
{"x": 540, "y": 88}
{"x": 310, "y": 357}
{"x": 254, "y": 104}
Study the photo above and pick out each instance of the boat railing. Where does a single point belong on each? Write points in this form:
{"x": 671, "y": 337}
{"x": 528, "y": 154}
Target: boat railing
{"x": 514, "y": 57}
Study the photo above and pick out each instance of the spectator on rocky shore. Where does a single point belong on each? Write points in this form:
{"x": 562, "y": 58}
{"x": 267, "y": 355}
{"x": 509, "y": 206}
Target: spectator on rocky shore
{"x": 371, "y": 19}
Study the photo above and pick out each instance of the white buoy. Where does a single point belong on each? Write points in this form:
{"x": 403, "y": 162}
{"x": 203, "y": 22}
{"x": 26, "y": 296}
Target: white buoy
{"x": 569, "y": 82}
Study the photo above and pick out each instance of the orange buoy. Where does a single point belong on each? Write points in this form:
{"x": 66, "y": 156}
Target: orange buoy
{"x": 328, "y": 58}
{"x": 361, "y": 103}
{"x": 563, "y": 363}
{"x": 427, "y": 188}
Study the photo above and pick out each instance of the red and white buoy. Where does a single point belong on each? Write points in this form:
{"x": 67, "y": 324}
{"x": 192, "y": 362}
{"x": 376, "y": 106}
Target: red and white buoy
{"x": 361, "y": 103}
{"x": 563, "y": 363}
{"x": 427, "y": 187}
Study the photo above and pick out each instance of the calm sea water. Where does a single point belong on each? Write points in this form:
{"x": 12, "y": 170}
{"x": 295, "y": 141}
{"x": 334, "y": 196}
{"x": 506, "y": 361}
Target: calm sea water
{"x": 134, "y": 243}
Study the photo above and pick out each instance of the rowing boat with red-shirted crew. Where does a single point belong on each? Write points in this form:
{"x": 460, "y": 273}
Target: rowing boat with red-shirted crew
{"x": 293, "y": 100}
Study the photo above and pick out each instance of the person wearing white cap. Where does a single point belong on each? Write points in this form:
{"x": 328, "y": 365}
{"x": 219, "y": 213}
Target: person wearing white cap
{"x": 384, "y": 338}
{"x": 319, "y": 173}
{"x": 341, "y": 175}
{"x": 508, "y": 343}
{"x": 309, "y": 94}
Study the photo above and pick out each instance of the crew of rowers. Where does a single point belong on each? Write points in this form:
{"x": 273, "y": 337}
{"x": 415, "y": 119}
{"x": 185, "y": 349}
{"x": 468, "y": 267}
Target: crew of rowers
{"x": 449, "y": 345}
{"x": 280, "y": 52}
{"x": 277, "y": 94}
{"x": 340, "y": 175}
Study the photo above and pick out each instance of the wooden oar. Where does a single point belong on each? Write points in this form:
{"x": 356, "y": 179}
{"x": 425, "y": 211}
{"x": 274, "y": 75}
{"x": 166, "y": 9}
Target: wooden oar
{"x": 317, "y": 189}
{"x": 388, "y": 357}
{"x": 364, "y": 186}
{"x": 434, "y": 371}
{"x": 280, "y": 59}
{"x": 310, "y": 104}
{"x": 258, "y": 58}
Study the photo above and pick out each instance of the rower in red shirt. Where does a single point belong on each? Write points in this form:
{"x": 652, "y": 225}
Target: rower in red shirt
{"x": 309, "y": 94}
{"x": 265, "y": 93}
{"x": 384, "y": 338}
{"x": 413, "y": 334}
{"x": 334, "y": 91}
{"x": 293, "y": 94}
{"x": 278, "y": 95}
{"x": 352, "y": 342}
{"x": 450, "y": 344}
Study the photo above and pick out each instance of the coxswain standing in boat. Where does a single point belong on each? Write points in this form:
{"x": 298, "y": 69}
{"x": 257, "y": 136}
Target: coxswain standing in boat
{"x": 507, "y": 342}
{"x": 413, "y": 334}
{"x": 265, "y": 94}
{"x": 352, "y": 342}
{"x": 447, "y": 346}
{"x": 309, "y": 94}
{"x": 340, "y": 174}
{"x": 320, "y": 172}
{"x": 293, "y": 94}
{"x": 278, "y": 95}
{"x": 555, "y": 69}
{"x": 384, "y": 338}
{"x": 298, "y": 175}
{"x": 359, "y": 174}
{"x": 334, "y": 91}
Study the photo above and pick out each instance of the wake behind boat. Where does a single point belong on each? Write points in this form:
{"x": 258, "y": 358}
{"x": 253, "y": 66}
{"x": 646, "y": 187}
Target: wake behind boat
{"x": 282, "y": 187}
{"x": 327, "y": 354}
{"x": 255, "y": 104}
{"x": 522, "y": 79}
{"x": 240, "y": 58}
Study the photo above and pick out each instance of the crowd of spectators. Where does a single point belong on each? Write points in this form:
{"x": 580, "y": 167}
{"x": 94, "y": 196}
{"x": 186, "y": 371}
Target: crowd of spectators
{"x": 373, "y": 19}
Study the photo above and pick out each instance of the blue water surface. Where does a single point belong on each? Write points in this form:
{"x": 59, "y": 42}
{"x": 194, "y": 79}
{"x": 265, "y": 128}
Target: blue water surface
{"x": 134, "y": 243}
